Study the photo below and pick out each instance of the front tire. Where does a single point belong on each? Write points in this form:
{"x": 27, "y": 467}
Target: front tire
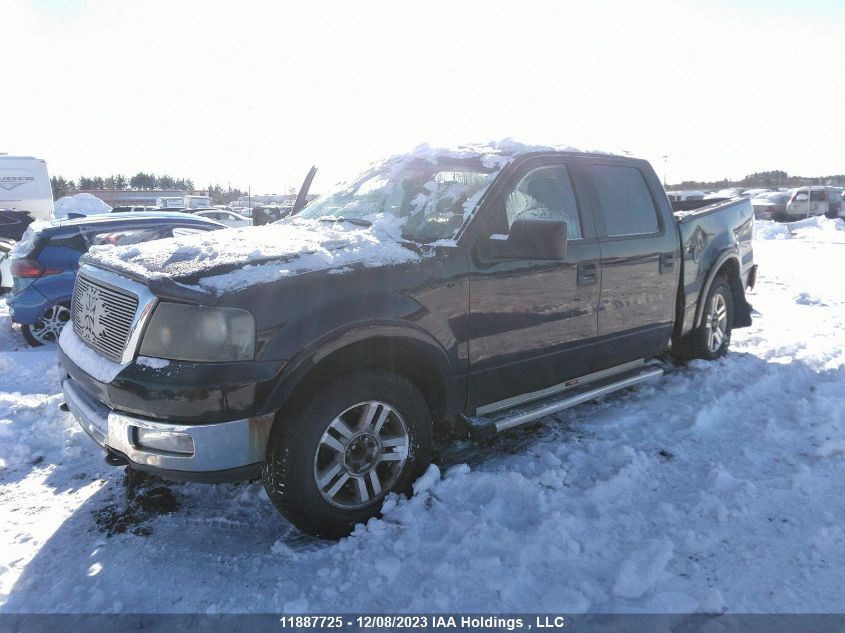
{"x": 711, "y": 339}
{"x": 48, "y": 327}
{"x": 342, "y": 446}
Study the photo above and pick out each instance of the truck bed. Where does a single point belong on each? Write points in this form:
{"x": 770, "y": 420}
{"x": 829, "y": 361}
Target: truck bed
{"x": 710, "y": 235}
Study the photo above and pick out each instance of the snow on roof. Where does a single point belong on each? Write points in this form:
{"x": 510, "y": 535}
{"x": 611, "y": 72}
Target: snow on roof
{"x": 493, "y": 154}
{"x": 260, "y": 254}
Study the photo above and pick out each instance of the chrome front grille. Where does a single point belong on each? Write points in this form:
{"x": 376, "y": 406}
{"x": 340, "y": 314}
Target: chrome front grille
{"x": 103, "y": 316}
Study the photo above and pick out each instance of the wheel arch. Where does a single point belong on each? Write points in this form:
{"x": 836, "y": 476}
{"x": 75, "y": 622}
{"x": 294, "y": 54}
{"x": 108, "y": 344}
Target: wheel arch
{"x": 726, "y": 265}
{"x": 400, "y": 348}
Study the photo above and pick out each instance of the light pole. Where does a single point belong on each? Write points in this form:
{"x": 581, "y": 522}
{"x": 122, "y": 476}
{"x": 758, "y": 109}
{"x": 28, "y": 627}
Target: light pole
{"x": 665, "y": 159}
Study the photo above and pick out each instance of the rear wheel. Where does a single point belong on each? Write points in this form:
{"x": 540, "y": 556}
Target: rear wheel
{"x": 711, "y": 339}
{"x": 48, "y": 327}
{"x": 335, "y": 453}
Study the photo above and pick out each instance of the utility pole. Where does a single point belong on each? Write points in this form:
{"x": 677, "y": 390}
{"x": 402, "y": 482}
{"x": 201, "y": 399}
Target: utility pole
{"x": 665, "y": 159}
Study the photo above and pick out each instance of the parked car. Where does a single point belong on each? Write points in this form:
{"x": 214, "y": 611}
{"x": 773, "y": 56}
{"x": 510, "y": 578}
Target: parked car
{"x": 771, "y": 206}
{"x": 816, "y": 200}
{"x": 229, "y": 218}
{"x": 13, "y": 223}
{"x": 681, "y": 196}
{"x": 266, "y": 214}
{"x": 753, "y": 193}
{"x": 133, "y": 209}
{"x": 244, "y": 211}
{"x": 6, "y": 247}
{"x": 724, "y": 194}
{"x": 45, "y": 261}
{"x": 485, "y": 288}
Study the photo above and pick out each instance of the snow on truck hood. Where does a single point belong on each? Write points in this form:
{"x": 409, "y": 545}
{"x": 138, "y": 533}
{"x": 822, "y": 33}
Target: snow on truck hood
{"x": 231, "y": 259}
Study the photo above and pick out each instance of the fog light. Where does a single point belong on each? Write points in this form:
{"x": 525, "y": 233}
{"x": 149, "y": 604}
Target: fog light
{"x": 165, "y": 441}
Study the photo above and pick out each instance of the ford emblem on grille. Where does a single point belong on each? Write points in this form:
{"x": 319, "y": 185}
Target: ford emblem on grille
{"x": 93, "y": 310}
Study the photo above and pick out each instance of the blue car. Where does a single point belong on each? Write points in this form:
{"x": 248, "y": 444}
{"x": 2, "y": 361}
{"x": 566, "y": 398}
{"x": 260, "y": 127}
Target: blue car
{"x": 46, "y": 259}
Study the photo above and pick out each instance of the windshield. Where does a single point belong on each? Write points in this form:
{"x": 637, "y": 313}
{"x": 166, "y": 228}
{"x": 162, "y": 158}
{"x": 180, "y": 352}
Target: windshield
{"x": 432, "y": 199}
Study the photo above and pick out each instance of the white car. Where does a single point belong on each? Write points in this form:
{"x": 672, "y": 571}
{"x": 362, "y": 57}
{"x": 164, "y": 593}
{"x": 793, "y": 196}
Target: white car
{"x": 5, "y": 265}
{"x": 228, "y": 218}
{"x": 822, "y": 200}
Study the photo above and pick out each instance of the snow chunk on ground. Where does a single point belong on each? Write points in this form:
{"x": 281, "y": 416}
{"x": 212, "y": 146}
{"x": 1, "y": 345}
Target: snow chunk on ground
{"x": 642, "y": 569}
{"x": 261, "y": 254}
{"x": 81, "y": 203}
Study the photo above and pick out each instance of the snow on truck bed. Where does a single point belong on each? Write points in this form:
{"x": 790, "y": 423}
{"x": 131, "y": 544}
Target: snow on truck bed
{"x": 717, "y": 489}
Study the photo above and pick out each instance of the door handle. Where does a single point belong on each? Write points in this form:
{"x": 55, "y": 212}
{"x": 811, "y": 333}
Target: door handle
{"x": 667, "y": 262}
{"x": 587, "y": 273}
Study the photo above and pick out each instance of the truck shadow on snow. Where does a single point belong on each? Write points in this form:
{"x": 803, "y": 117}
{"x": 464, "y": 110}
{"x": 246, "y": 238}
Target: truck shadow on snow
{"x": 164, "y": 539}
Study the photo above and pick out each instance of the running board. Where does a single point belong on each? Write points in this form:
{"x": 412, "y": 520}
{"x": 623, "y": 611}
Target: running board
{"x": 487, "y": 425}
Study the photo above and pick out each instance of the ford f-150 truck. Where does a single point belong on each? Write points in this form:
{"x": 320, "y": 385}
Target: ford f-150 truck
{"x": 489, "y": 285}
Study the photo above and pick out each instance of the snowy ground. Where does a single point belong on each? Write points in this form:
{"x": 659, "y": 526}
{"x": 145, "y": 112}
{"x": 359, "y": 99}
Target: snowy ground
{"x": 717, "y": 489}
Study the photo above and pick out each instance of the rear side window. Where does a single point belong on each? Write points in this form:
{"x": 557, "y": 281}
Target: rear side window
{"x": 179, "y": 231}
{"x": 121, "y": 237}
{"x": 625, "y": 200}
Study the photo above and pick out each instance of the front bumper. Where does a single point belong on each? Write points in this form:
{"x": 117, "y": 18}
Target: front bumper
{"x": 223, "y": 451}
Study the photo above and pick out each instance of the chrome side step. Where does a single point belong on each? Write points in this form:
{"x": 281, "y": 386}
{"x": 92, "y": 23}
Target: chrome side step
{"x": 484, "y": 426}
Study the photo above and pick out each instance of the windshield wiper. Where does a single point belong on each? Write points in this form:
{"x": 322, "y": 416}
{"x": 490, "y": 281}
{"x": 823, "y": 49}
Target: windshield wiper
{"x": 357, "y": 221}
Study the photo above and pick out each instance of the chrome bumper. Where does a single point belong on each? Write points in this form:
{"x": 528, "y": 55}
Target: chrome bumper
{"x": 224, "y": 446}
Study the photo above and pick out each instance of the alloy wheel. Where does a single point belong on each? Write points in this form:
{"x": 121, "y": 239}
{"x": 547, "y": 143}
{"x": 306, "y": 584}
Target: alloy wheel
{"x": 717, "y": 322}
{"x": 361, "y": 455}
{"x": 49, "y": 325}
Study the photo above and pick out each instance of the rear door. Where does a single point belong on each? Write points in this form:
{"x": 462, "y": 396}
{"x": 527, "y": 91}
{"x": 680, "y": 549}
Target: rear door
{"x": 639, "y": 261}
{"x": 532, "y": 323}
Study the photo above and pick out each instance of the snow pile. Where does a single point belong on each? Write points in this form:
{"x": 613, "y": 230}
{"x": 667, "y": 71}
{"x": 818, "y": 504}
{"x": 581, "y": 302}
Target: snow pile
{"x": 815, "y": 229}
{"x": 261, "y": 254}
{"x": 81, "y": 203}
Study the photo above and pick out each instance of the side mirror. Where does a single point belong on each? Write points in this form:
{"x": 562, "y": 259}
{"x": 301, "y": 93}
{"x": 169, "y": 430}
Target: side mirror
{"x": 538, "y": 238}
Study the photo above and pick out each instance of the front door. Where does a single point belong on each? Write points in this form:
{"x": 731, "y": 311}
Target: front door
{"x": 532, "y": 323}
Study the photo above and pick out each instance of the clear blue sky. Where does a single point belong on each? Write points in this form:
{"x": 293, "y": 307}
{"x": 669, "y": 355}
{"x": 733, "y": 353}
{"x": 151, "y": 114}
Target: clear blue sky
{"x": 255, "y": 92}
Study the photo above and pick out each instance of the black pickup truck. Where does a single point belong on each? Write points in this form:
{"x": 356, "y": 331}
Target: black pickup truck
{"x": 488, "y": 285}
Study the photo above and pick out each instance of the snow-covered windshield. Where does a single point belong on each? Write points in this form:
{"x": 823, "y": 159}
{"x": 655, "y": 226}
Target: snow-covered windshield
{"x": 432, "y": 198}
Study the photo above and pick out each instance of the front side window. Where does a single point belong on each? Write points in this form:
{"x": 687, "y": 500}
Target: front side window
{"x": 545, "y": 192}
{"x": 625, "y": 201}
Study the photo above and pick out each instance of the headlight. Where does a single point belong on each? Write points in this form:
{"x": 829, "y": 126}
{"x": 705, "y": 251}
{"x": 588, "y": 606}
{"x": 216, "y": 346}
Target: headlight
{"x": 187, "y": 332}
